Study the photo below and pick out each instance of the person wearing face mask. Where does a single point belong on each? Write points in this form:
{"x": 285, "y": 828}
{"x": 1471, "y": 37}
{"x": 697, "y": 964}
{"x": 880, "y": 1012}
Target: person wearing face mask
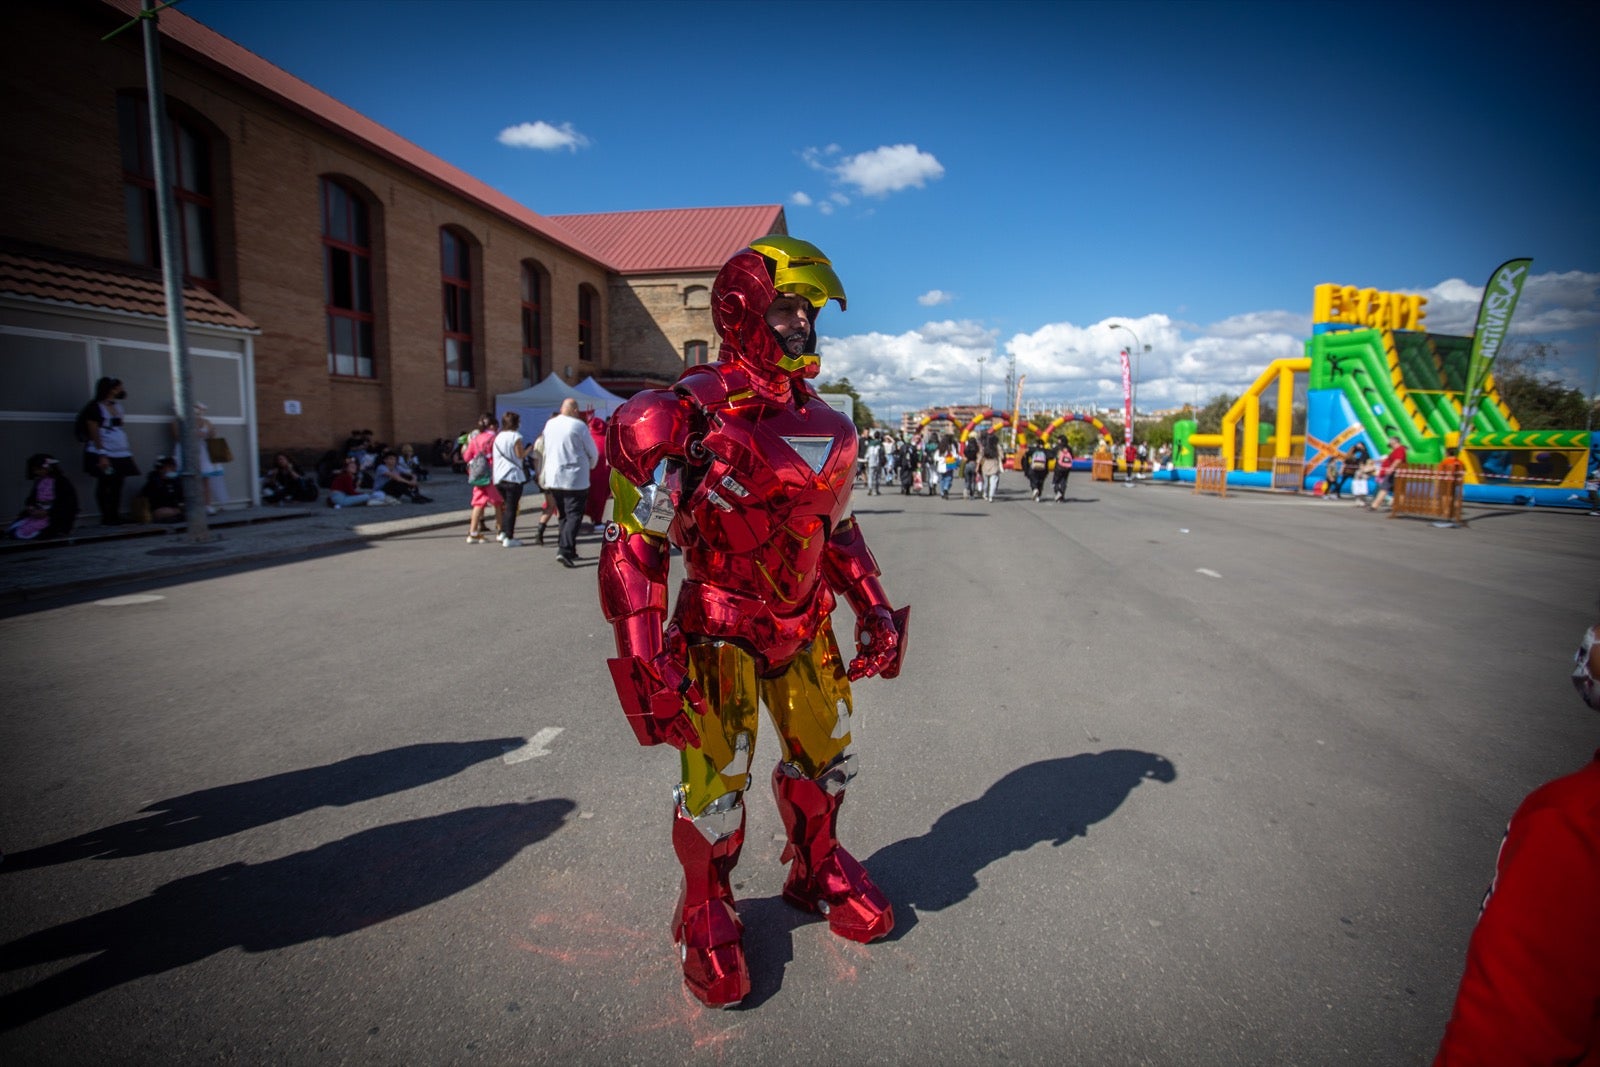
{"x": 1531, "y": 991}
{"x": 107, "y": 455}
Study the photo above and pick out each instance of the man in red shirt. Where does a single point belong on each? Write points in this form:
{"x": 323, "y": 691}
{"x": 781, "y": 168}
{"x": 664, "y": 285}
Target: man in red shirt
{"x": 1531, "y": 991}
{"x": 1386, "y": 469}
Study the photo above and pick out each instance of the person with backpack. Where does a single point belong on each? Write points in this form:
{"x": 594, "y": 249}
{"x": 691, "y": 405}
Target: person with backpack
{"x": 478, "y": 454}
{"x": 1064, "y": 458}
{"x": 990, "y": 465}
{"x": 1038, "y": 460}
{"x": 969, "y": 467}
{"x": 107, "y": 454}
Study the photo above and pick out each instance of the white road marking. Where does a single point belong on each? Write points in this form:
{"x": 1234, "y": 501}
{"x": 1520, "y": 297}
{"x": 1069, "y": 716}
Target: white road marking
{"x": 132, "y": 598}
{"x": 1207, "y": 571}
{"x": 535, "y": 746}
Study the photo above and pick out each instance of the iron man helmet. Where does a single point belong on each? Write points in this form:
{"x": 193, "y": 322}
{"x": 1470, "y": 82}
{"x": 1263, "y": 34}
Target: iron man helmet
{"x": 745, "y": 289}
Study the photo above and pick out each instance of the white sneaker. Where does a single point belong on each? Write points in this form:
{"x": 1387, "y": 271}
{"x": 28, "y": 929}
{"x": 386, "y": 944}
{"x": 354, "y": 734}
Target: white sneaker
{"x": 475, "y": 539}
{"x": 501, "y": 537}
{"x": 511, "y": 542}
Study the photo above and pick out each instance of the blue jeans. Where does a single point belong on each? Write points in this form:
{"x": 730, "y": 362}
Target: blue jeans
{"x": 348, "y": 500}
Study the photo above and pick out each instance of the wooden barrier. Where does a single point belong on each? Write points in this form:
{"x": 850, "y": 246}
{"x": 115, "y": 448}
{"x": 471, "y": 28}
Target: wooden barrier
{"x": 1289, "y": 474}
{"x": 1427, "y": 492}
{"x": 1210, "y": 475}
{"x": 1101, "y": 468}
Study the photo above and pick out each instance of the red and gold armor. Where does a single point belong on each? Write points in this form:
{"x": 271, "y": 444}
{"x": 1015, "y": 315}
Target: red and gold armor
{"x": 743, "y": 468}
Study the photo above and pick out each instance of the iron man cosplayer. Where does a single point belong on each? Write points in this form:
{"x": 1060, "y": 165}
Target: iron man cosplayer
{"x": 743, "y": 468}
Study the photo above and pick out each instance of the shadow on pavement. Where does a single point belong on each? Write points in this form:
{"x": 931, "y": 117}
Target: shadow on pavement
{"x": 337, "y": 889}
{"x": 208, "y": 814}
{"x": 1053, "y": 800}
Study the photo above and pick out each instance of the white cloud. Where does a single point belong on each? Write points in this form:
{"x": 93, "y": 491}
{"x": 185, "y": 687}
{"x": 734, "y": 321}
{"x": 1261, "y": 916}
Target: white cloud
{"x": 543, "y": 136}
{"x": 888, "y": 169}
{"x": 826, "y": 207}
{"x": 884, "y": 170}
{"x": 934, "y": 297}
{"x": 1079, "y": 364}
{"x": 800, "y": 199}
{"x": 1550, "y": 303}
{"x": 937, "y": 363}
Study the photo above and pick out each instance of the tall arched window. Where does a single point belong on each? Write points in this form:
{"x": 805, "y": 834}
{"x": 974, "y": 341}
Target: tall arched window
{"x": 694, "y": 352}
{"x": 533, "y": 290}
{"x": 192, "y": 189}
{"x": 587, "y": 308}
{"x": 455, "y": 256}
{"x": 347, "y": 280}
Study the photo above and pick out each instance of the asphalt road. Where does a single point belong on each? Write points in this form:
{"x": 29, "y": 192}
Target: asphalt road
{"x": 1167, "y": 780}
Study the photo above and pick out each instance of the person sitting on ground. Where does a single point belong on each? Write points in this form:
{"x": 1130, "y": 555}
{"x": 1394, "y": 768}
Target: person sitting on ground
{"x": 51, "y": 506}
{"x": 411, "y": 463}
{"x": 346, "y": 492}
{"x": 388, "y": 478}
{"x": 284, "y": 483}
{"x": 163, "y": 491}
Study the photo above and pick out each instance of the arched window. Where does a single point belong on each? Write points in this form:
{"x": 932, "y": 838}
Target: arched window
{"x": 533, "y": 292}
{"x": 694, "y": 352}
{"x": 587, "y": 307}
{"x": 347, "y": 280}
{"x": 455, "y": 269}
{"x": 192, "y": 189}
{"x": 696, "y": 298}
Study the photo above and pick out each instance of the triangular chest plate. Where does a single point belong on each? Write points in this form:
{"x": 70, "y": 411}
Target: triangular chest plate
{"x": 814, "y": 450}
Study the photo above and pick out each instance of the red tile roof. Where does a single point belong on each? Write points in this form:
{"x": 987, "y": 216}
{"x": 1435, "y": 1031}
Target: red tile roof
{"x": 681, "y": 239}
{"x": 86, "y": 283}
{"x": 210, "y": 48}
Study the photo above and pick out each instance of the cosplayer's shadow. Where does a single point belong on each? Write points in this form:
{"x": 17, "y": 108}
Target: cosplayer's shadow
{"x": 1053, "y": 800}
{"x": 769, "y": 926}
{"x": 339, "y": 888}
{"x": 209, "y": 814}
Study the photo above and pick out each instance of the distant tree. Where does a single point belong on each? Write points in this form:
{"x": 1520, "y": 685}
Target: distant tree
{"x": 862, "y": 415}
{"x": 1209, "y": 418}
{"x": 1532, "y": 390}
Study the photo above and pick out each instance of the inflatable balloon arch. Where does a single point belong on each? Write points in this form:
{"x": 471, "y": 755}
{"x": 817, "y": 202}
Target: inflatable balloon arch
{"x": 997, "y": 420}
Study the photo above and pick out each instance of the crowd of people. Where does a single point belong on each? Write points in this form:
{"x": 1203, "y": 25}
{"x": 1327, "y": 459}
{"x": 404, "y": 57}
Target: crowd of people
{"x": 928, "y": 463}
{"x": 561, "y": 462}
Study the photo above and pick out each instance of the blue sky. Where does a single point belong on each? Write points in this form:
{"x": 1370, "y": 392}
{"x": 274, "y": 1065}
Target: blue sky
{"x": 1002, "y": 181}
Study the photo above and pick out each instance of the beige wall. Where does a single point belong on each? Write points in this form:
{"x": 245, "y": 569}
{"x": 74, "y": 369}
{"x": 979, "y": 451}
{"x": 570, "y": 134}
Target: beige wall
{"x": 653, "y": 316}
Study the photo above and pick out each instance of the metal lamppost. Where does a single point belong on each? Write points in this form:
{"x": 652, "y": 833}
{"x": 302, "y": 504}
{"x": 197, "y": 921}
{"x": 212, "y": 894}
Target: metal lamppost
{"x": 981, "y": 361}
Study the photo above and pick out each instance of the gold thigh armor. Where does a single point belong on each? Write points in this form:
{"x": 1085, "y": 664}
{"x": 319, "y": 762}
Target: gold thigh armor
{"x": 809, "y": 704}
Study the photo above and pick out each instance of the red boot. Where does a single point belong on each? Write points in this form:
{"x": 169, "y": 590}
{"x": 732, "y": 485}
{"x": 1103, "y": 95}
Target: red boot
{"x": 707, "y": 929}
{"x": 825, "y": 878}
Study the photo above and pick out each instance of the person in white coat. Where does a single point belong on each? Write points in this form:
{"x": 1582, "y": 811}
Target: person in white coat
{"x": 569, "y": 455}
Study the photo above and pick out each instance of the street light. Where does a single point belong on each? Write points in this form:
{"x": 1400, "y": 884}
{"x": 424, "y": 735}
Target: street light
{"x": 981, "y": 361}
{"x": 1133, "y": 387}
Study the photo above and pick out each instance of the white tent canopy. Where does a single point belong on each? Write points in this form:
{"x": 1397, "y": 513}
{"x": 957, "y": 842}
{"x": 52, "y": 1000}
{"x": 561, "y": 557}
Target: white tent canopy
{"x": 603, "y": 399}
{"x": 537, "y": 403}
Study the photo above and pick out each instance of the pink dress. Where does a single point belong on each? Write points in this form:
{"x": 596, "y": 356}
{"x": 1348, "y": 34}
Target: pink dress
{"x": 483, "y": 496}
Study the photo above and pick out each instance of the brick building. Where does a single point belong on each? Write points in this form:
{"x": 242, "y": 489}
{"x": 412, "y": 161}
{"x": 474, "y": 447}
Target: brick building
{"x": 361, "y": 281}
